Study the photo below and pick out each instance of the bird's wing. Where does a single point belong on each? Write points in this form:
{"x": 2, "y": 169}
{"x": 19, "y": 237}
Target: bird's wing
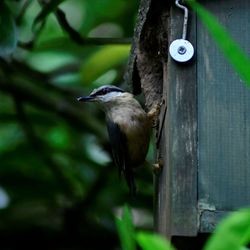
{"x": 118, "y": 143}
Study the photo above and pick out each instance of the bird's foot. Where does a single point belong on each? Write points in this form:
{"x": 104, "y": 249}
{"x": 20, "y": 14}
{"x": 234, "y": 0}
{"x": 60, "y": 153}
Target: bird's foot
{"x": 157, "y": 167}
{"x": 154, "y": 113}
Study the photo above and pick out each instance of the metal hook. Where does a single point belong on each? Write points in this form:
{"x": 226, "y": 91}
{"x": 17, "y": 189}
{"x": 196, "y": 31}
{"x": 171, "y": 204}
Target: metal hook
{"x": 185, "y": 22}
{"x": 181, "y": 50}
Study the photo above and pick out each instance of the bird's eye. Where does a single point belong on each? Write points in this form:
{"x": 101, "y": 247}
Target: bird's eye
{"x": 104, "y": 92}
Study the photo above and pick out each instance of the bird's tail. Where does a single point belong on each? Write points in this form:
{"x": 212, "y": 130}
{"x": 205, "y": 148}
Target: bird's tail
{"x": 130, "y": 179}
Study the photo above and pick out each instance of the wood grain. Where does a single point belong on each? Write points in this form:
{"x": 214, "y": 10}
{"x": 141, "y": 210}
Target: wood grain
{"x": 178, "y": 183}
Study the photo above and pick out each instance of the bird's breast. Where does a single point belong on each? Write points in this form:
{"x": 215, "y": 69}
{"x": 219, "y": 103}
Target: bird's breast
{"x": 136, "y": 127}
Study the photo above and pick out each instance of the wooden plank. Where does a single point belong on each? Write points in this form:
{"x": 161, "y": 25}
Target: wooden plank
{"x": 223, "y": 113}
{"x": 178, "y": 183}
{"x": 162, "y": 199}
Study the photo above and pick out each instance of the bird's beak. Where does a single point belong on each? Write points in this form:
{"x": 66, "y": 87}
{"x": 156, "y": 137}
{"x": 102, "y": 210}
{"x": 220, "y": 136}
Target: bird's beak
{"x": 85, "y": 98}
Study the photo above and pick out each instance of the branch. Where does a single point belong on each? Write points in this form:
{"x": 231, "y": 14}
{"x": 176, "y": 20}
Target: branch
{"x": 16, "y": 68}
{"x": 21, "y": 14}
{"x": 73, "y": 34}
{"x": 74, "y": 116}
{"x": 65, "y": 69}
{"x": 77, "y": 38}
{"x": 26, "y": 45}
{"x": 74, "y": 216}
{"x": 31, "y": 44}
{"x": 42, "y": 151}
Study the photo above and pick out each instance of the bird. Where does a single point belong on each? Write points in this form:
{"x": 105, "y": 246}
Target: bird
{"x": 129, "y": 129}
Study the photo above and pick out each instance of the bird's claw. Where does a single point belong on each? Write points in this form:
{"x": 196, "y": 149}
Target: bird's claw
{"x": 154, "y": 113}
{"x": 157, "y": 167}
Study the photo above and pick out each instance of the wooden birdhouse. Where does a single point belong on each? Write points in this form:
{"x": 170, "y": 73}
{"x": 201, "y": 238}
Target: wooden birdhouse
{"x": 203, "y": 137}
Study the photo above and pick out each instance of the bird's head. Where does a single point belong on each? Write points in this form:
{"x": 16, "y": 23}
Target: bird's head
{"x": 103, "y": 94}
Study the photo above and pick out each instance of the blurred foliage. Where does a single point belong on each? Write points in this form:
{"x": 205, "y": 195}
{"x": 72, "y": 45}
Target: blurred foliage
{"x": 7, "y": 30}
{"x": 232, "y": 233}
{"x": 58, "y": 185}
{"x": 130, "y": 237}
{"x": 126, "y": 229}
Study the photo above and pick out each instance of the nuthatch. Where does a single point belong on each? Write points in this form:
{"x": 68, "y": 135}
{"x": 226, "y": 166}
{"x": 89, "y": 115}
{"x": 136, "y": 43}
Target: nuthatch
{"x": 128, "y": 128}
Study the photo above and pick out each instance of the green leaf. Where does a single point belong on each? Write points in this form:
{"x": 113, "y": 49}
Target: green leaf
{"x": 126, "y": 230}
{"x": 103, "y": 60}
{"x": 8, "y": 36}
{"x": 46, "y": 10}
{"x": 150, "y": 241}
{"x": 58, "y": 137}
{"x": 230, "y": 48}
{"x": 231, "y": 233}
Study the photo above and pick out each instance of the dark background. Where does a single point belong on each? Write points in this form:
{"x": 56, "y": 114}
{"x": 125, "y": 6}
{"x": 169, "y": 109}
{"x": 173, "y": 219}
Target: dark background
{"x": 58, "y": 186}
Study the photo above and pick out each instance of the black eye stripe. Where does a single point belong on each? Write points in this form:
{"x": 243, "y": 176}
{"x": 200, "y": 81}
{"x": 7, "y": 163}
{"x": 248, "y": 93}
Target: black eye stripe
{"x": 106, "y": 90}
{"x": 100, "y": 92}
